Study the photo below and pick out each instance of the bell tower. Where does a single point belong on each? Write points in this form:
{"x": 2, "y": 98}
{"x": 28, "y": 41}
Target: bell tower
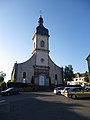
{"x": 41, "y": 52}
{"x": 41, "y": 44}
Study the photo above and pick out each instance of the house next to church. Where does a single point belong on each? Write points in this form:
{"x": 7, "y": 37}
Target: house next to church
{"x": 39, "y": 69}
{"x": 88, "y": 62}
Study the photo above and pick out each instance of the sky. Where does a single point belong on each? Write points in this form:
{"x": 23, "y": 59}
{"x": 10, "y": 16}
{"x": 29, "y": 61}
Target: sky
{"x": 68, "y": 22}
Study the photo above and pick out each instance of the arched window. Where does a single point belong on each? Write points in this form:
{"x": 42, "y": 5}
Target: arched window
{"x": 24, "y": 74}
{"x": 42, "y": 44}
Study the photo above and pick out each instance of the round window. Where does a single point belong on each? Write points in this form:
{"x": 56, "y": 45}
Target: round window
{"x": 42, "y": 60}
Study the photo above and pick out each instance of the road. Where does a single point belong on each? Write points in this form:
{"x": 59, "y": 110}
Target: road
{"x": 45, "y": 106}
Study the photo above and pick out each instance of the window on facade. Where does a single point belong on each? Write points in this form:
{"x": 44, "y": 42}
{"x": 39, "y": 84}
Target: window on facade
{"x": 24, "y": 74}
{"x": 42, "y": 44}
{"x": 42, "y": 60}
{"x": 55, "y": 76}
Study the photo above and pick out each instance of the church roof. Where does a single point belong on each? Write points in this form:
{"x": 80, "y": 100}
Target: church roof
{"x": 40, "y": 29}
{"x": 88, "y": 57}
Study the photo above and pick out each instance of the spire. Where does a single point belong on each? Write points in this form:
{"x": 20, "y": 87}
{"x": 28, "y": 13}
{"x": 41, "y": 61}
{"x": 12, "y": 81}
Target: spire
{"x": 40, "y": 29}
{"x": 40, "y": 21}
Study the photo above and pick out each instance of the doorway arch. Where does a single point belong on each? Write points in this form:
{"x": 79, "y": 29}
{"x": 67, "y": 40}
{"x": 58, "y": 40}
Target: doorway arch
{"x": 41, "y": 80}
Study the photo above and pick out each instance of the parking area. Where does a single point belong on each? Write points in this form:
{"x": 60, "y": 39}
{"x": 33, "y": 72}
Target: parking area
{"x": 57, "y": 107}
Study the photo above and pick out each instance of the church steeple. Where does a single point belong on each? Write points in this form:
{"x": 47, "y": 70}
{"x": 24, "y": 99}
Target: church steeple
{"x": 41, "y": 39}
{"x": 40, "y": 29}
{"x": 40, "y": 21}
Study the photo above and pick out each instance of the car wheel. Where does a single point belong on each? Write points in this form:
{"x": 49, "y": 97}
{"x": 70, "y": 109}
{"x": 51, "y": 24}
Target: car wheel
{"x": 73, "y": 96}
{"x": 59, "y": 93}
{"x": 8, "y": 93}
{"x": 69, "y": 96}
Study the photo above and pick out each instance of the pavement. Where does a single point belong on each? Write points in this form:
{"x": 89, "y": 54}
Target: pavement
{"x": 4, "y": 106}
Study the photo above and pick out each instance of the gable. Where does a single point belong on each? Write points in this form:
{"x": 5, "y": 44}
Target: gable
{"x": 88, "y": 58}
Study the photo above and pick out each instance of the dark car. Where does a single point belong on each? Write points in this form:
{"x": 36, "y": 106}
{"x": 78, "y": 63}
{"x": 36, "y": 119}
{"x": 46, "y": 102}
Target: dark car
{"x": 10, "y": 91}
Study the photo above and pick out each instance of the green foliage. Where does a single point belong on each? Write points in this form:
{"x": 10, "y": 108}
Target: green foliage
{"x": 68, "y": 73}
{"x": 16, "y": 84}
{"x": 2, "y": 76}
{"x": 1, "y": 83}
{"x": 86, "y": 77}
{"x": 3, "y": 86}
{"x": 12, "y": 80}
{"x": 32, "y": 80}
{"x": 1, "y": 79}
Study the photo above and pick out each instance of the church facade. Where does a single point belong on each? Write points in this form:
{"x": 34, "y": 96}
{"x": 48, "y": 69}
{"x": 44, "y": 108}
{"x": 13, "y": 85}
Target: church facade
{"x": 39, "y": 69}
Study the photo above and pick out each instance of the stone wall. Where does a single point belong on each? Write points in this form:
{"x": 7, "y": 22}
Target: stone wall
{"x": 55, "y": 70}
{"x": 26, "y": 67}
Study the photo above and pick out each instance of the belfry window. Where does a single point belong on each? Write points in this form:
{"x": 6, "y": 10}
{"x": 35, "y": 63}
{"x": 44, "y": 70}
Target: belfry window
{"x": 42, "y": 43}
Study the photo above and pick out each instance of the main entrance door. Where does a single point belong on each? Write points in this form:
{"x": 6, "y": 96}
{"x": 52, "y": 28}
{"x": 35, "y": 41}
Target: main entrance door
{"x": 41, "y": 80}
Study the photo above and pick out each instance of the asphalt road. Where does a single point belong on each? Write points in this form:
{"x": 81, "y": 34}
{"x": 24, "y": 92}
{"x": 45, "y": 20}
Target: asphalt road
{"x": 45, "y": 106}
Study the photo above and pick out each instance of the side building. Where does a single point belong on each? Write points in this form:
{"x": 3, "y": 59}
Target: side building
{"x": 88, "y": 62}
{"x": 39, "y": 69}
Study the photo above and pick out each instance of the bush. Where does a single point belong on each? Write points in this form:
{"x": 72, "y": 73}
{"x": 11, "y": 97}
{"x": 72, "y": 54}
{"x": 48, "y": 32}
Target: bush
{"x": 3, "y": 86}
{"x": 17, "y": 84}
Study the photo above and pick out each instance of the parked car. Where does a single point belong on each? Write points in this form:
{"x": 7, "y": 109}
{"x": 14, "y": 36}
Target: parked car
{"x": 63, "y": 90}
{"x": 77, "y": 93}
{"x": 57, "y": 90}
{"x": 87, "y": 86}
{"x": 10, "y": 91}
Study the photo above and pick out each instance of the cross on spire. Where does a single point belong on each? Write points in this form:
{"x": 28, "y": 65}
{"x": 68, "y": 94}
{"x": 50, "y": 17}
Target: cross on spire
{"x": 40, "y": 21}
{"x": 40, "y": 13}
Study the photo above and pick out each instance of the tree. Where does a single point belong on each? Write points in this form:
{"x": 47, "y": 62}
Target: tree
{"x": 2, "y": 76}
{"x": 1, "y": 79}
{"x": 86, "y": 77}
{"x": 68, "y": 73}
{"x": 32, "y": 80}
{"x": 2, "y": 83}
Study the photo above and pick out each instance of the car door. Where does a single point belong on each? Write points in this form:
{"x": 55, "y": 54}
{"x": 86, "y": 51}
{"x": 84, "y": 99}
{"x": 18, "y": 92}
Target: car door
{"x": 78, "y": 93}
{"x": 86, "y": 93}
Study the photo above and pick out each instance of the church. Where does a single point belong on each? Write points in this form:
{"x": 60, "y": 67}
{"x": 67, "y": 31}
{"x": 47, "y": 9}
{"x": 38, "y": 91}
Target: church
{"x": 39, "y": 69}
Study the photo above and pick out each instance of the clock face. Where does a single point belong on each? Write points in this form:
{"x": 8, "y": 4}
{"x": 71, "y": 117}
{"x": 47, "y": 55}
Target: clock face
{"x": 42, "y": 60}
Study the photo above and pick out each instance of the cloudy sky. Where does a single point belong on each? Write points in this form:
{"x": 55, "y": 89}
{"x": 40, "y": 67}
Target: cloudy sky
{"x": 68, "y": 22}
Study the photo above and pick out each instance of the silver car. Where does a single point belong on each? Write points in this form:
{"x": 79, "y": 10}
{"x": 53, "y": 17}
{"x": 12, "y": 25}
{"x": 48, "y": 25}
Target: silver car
{"x": 77, "y": 93}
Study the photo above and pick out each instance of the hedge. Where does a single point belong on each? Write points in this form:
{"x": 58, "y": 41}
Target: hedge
{"x": 17, "y": 84}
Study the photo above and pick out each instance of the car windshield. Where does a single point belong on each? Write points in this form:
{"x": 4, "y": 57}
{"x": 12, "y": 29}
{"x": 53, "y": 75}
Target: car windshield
{"x": 88, "y": 85}
{"x": 9, "y": 89}
{"x": 73, "y": 89}
{"x": 85, "y": 90}
{"x": 67, "y": 88}
{"x": 58, "y": 88}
